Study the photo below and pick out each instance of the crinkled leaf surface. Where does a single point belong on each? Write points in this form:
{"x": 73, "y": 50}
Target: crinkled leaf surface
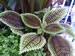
{"x": 59, "y": 46}
{"x": 31, "y": 20}
{"x": 53, "y": 28}
{"x": 17, "y": 31}
{"x": 11, "y": 19}
{"x": 31, "y": 41}
{"x": 54, "y": 15}
{"x": 68, "y": 29}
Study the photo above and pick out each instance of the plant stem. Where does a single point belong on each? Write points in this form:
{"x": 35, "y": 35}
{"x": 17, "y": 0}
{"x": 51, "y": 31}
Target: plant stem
{"x": 49, "y": 3}
{"x": 46, "y": 50}
{"x": 32, "y": 5}
{"x": 17, "y": 7}
{"x": 5, "y": 5}
{"x": 24, "y": 6}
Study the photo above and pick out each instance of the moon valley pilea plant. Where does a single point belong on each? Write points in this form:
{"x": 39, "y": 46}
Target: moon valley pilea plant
{"x": 49, "y": 24}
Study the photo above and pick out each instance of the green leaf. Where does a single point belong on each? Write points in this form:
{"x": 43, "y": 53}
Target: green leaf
{"x": 58, "y": 46}
{"x": 17, "y": 31}
{"x": 9, "y": 43}
{"x": 54, "y": 15}
{"x": 68, "y": 29}
{"x": 31, "y": 41}
{"x": 53, "y": 28}
{"x": 31, "y": 20}
{"x": 35, "y": 53}
{"x": 40, "y": 31}
{"x": 11, "y": 19}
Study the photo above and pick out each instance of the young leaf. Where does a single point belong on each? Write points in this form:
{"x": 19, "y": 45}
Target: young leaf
{"x": 68, "y": 29}
{"x": 11, "y": 19}
{"x": 59, "y": 46}
{"x": 17, "y": 31}
{"x": 54, "y": 15}
{"x": 53, "y": 28}
{"x": 31, "y": 20}
{"x": 31, "y": 41}
{"x": 40, "y": 31}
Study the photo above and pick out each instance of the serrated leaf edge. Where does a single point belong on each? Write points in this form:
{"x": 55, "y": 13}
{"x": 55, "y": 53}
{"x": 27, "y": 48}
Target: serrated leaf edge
{"x": 54, "y": 10}
{"x": 52, "y": 51}
{"x": 2, "y": 14}
{"x": 26, "y": 23}
{"x": 53, "y": 32}
{"x": 18, "y": 33}
{"x": 20, "y": 52}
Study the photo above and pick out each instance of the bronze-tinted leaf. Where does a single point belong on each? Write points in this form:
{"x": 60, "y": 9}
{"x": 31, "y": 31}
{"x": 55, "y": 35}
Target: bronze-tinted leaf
{"x": 53, "y": 28}
{"x": 31, "y": 41}
{"x": 59, "y": 46}
{"x": 68, "y": 29}
{"x": 11, "y": 19}
{"x": 31, "y": 20}
{"x": 54, "y": 15}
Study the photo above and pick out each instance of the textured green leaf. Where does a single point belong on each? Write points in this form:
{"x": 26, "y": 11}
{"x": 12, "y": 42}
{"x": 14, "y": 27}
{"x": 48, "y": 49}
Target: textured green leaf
{"x": 17, "y": 31}
{"x": 59, "y": 46}
{"x": 68, "y": 29}
{"x": 35, "y": 53}
{"x": 9, "y": 43}
{"x": 54, "y": 15}
{"x": 31, "y": 20}
{"x": 53, "y": 28}
{"x": 11, "y": 19}
{"x": 31, "y": 41}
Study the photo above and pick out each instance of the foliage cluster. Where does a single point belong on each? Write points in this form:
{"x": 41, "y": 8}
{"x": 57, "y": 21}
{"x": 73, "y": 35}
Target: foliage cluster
{"x": 48, "y": 24}
{"x": 28, "y": 40}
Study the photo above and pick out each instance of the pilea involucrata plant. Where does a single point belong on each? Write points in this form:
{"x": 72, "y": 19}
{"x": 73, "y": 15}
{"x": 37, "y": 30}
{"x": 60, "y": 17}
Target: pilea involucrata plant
{"x": 49, "y": 24}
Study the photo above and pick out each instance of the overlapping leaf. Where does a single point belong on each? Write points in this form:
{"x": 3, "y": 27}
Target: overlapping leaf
{"x": 17, "y": 31}
{"x": 11, "y": 19}
{"x": 68, "y": 29}
{"x": 53, "y": 28}
{"x": 65, "y": 25}
{"x": 58, "y": 46}
{"x": 31, "y": 20}
{"x": 31, "y": 41}
{"x": 54, "y": 15}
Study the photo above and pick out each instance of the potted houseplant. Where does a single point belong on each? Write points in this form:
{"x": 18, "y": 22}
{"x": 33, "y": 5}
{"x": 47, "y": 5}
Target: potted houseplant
{"x": 35, "y": 30}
